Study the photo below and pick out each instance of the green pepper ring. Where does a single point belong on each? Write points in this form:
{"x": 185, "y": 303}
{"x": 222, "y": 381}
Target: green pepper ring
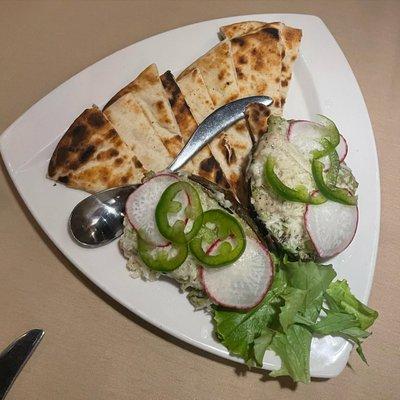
{"x": 338, "y": 195}
{"x": 299, "y": 195}
{"x": 331, "y": 140}
{"x": 161, "y": 265}
{"x": 219, "y": 217}
{"x": 176, "y": 233}
{"x": 333, "y": 171}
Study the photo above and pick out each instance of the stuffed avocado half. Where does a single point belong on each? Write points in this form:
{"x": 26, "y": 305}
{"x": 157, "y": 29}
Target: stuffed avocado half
{"x": 286, "y": 196}
{"x": 188, "y": 229}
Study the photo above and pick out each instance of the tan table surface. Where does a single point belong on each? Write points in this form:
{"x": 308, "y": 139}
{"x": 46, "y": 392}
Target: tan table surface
{"x": 94, "y": 349}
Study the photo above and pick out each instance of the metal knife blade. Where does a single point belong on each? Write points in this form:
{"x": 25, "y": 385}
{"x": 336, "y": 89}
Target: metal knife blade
{"x": 14, "y": 357}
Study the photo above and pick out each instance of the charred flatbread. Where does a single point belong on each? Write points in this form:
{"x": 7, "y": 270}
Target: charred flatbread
{"x": 209, "y": 83}
{"x": 240, "y": 28}
{"x": 258, "y": 60}
{"x": 150, "y": 94}
{"x": 92, "y": 156}
{"x": 136, "y": 130}
{"x": 204, "y": 163}
{"x": 232, "y": 147}
{"x": 290, "y": 38}
{"x": 257, "y": 120}
{"x": 218, "y": 72}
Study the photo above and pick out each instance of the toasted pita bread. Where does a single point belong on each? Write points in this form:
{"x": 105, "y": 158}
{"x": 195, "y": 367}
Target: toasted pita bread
{"x": 203, "y": 163}
{"x": 291, "y": 38}
{"x": 258, "y": 60}
{"x": 218, "y": 72}
{"x": 232, "y": 147}
{"x": 240, "y": 28}
{"x": 257, "y": 120}
{"x": 184, "y": 118}
{"x": 136, "y": 130}
{"x": 92, "y": 156}
{"x": 211, "y": 86}
{"x": 150, "y": 94}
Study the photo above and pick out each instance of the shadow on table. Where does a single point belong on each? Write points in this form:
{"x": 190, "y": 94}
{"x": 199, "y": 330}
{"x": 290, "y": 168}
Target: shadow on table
{"x": 240, "y": 369}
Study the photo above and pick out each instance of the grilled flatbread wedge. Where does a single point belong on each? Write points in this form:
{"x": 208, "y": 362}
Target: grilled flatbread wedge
{"x": 258, "y": 60}
{"x": 203, "y": 163}
{"x": 290, "y": 37}
{"x": 136, "y": 130}
{"x": 232, "y": 147}
{"x": 207, "y": 84}
{"x": 184, "y": 118}
{"x": 150, "y": 94}
{"x": 92, "y": 156}
{"x": 240, "y": 28}
{"x": 257, "y": 120}
{"x": 291, "y": 41}
{"x": 218, "y": 72}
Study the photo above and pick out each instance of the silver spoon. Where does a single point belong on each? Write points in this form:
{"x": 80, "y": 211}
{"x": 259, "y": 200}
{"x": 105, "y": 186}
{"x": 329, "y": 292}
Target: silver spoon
{"x": 98, "y": 219}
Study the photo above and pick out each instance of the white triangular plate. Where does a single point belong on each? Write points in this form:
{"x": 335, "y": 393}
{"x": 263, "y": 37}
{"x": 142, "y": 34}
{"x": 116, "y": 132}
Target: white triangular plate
{"x": 323, "y": 83}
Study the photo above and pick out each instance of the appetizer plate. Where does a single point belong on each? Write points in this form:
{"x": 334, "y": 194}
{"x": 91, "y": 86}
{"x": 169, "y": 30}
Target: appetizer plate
{"x": 323, "y": 83}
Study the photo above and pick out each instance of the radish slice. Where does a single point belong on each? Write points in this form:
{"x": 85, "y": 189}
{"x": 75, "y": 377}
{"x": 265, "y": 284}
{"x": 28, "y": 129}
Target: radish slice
{"x": 141, "y": 208}
{"x": 242, "y": 284}
{"x": 331, "y": 227}
{"x": 342, "y": 149}
{"x": 306, "y": 136}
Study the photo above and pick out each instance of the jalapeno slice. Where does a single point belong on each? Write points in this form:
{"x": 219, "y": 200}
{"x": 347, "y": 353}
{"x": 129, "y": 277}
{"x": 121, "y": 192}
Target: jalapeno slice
{"x": 179, "y": 213}
{"x": 332, "y": 193}
{"x": 162, "y": 258}
{"x": 327, "y": 148}
{"x": 333, "y": 171}
{"x": 220, "y": 241}
{"x": 331, "y": 138}
{"x": 299, "y": 194}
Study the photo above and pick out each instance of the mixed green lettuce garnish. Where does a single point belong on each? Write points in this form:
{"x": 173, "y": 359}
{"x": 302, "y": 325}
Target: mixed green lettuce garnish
{"x": 304, "y": 301}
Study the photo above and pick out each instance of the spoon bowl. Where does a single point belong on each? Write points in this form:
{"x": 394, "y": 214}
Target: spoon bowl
{"x": 98, "y": 219}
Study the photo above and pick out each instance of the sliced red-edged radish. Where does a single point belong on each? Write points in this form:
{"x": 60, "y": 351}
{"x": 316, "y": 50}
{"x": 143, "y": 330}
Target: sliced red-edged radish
{"x": 307, "y": 135}
{"x": 141, "y": 207}
{"x": 342, "y": 148}
{"x": 243, "y": 284}
{"x": 331, "y": 227}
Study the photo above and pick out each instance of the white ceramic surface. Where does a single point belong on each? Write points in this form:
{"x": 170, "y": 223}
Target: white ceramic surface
{"x": 322, "y": 83}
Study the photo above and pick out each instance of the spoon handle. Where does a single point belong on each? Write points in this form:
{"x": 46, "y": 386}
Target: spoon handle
{"x": 215, "y": 123}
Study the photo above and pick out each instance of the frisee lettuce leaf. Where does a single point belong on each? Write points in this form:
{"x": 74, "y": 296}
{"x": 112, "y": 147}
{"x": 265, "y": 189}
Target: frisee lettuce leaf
{"x": 261, "y": 344}
{"x": 293, "y": 347}
{"x": 303, "y": 301}
{"x": 313, "y": 279}
{"x": 339, "y": 296}
{"x": 294, "y": 299}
